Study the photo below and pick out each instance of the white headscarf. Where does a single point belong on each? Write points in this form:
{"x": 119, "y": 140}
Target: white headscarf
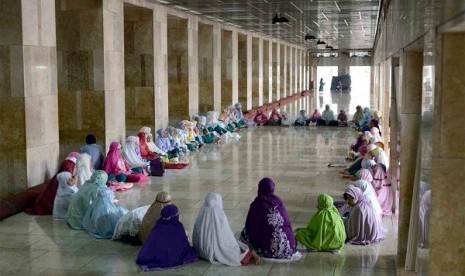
{"x": 83, "y": 170}
{"x": 212, "y": 118}
{"x": 212, "y": 236}
{"x": 129, "y": 152}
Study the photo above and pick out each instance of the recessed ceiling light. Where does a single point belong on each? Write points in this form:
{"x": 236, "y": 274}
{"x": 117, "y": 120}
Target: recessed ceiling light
{"x": 324, "y": 15}
{"x": 345, "y": 21}
{"x": 337, "y": 6}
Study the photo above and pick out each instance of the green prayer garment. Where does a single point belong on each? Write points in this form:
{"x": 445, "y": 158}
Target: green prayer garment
{"x": 326, "y": 231}
{"x": 208, "y": 138}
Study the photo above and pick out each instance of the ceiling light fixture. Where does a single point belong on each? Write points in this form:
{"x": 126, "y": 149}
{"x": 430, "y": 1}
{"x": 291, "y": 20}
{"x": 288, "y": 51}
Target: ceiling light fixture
{"x": 324, "y": 15}
{"x": 337, "y": 6}
{"x": 279, "y": 19}
{"x": 345, "y": 21}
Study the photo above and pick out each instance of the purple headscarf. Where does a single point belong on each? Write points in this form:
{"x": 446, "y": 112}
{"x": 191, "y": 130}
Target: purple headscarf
{"x": 363, "y": 227}
{"x": 267, "y": 228}
{"x": 167, "y": 245}
{"x": 163, "y": 142}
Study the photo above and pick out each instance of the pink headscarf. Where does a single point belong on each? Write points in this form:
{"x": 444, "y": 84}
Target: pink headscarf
{"x": 74, "y": 154}
{"x": 366, "y": 175}
{"x": 375, "y": 133}
{"x": 114, "y": 163}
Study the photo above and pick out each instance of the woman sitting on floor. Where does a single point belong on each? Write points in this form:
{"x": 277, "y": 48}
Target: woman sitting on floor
{"x": 83, "y": 169}
{"x": 117, "y": 168}
{"x": 327, "y": 118}
{"x": 164, "y": 143}
{"x": 43, "y": 204}
{"x": 145, "y": 151}
{"x": 302, "y": 119}
{"x": 101, "y": 217}
{"x": 316, "y": 115}
{"x": 378, "y": 155}
{"x": 358, "y": 115}
{"x": 94, "y": 150}
{"x": 355, "y": 166}
{"x": 167, "y": 245}
{"x": 153, "y": 214}
{"x": 286, "y": 120}
{"x": 342, "y": 118}
{"x": 240, "y": 115}
{"x": 383, "y": 189}
{"x": 275, "y": 118}
{"x": 150, "y": 141}
{"x": 363, "y": 227}
{"x": 365, "y": 184}
{"x": 84, "y": 198}
{"x": 131, "y": 153}
{"x": 268, "y": 229}
{"x": 260, "y": 118}
{"x": 130, "y": 227}
{"x": 365, "y": 123}
{"x": 66, "y": 191}
{"x": 213, "y": 124}
{"x": 326, "y": 231}
{"x": 213, "y": 238}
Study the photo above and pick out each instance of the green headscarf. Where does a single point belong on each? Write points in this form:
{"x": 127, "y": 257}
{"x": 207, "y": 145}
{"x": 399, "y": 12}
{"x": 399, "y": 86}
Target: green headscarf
{"x": 84, "y": 198}
{"x": 326, "y": 231}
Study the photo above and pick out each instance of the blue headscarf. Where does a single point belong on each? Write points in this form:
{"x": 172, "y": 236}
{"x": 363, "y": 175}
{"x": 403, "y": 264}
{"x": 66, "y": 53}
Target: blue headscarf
{"x": 163, "y": 142}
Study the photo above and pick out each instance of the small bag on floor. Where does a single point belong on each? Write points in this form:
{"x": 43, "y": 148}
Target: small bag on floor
{"x": 156, "y": 167}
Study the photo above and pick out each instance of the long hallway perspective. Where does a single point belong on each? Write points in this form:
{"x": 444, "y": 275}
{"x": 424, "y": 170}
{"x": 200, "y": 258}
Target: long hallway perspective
{"x": 296, "y": 158}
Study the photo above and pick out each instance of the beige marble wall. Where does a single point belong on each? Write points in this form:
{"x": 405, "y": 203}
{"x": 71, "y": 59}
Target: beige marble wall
{"x": 193, "y": 65}
{"x": 249, "y": 69}
{"x": 138, "y": 68}
{"x": 217, "y": 70}
{"x": 236, "y": 74}
{"x": 284, "y": 72}
{"x": 256, "y": 64}
{"x": 447, "y": 242}
{"x": 411, "y": 65}
{"x": 267, "y": 72}
{"x": 160, "y": 62}
{"x": 178, "y": 69}
{"x": 226, "y": 68}
{"x": 290, "y": 71}
{"x": 206, "y": 68}
{"x": 276, "y": 68}
{"x": 242, "y": 62}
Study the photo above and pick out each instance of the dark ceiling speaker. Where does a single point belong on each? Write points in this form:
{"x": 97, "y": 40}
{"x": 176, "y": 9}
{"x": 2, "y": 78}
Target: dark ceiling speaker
{"x": 309, "y": 37}
{"x": 279, "y": 19}
{"x": 319, "y": 42}
{"x": 329, "y": 47}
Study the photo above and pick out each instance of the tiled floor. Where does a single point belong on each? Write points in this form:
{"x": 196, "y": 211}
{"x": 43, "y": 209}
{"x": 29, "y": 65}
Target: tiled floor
{"x": 296, "y": 158}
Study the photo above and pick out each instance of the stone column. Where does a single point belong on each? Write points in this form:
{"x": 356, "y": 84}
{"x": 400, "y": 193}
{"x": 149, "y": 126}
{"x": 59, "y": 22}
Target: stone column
{"x": 29, "y": 139}
{"x": 216, "y": 67}
{"x": 193, "y": 52}
{"x": 447, "y": 240}
{"x": 249, "y": 71}
{"x": 113, "y": 64}
{"x": 235, "y": 68}
{"x": 160, "y": 66}
{"x": 260, "y": 71}
{"x": 411, "y": 66}
{"x": 270, "y": 71}
{"x": 284, "y": 73}
{"x": 206, "y": 65}
{"x": 291, "y": 71}
{"x": 227, "y": 73}
{"x": 297, "y": 70}
{"x": 277, "y": 84}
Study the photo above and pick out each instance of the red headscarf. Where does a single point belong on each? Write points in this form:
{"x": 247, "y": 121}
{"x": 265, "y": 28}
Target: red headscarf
{"x": 275, "y": 116}
{"x": 144, "y": 148}
{"x": 260, "y": 118}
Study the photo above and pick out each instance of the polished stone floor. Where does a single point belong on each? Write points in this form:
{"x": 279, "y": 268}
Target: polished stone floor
{"x": 296, "y": 158}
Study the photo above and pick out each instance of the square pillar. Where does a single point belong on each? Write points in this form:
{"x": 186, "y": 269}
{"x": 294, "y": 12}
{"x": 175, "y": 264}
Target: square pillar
{"x": 249, "y": 71}
{"x": 235, "y": 67}
{"x": 160, "y": 66}
{"x": 193, "y": 53}
{"x": 217, "y": 67}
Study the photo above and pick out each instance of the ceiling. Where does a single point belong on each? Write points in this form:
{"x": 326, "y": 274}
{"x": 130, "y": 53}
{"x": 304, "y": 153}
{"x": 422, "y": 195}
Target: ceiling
{"x": 343, "y": 24}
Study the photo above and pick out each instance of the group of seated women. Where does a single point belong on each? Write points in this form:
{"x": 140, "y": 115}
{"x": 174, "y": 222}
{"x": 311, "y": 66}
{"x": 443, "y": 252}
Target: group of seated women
{"x": 134, "y": 160}
{"x": 370, "y": 163}
{"x": 267, "y": 235}
{"x": 316, "y": 119}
